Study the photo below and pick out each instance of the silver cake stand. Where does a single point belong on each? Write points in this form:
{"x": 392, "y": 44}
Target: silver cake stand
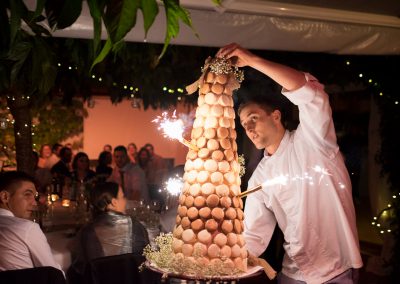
{"x": 252, "y": 271}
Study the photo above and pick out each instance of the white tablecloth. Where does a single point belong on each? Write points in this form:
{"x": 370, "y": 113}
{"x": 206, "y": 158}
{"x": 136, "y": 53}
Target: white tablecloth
{"x": 60, "y": 247}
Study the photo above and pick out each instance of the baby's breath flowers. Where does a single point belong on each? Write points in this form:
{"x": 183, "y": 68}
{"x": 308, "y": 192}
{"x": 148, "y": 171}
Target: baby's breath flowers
{"x": 242, "y": 165}
{"x": 161, "y": 256}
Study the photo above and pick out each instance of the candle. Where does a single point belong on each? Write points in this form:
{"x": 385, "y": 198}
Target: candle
{"x": 65, "y": 202}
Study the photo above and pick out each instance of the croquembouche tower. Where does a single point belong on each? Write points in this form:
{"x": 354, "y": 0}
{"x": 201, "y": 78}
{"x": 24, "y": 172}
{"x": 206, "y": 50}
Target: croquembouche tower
{"x": 209, "y": 221}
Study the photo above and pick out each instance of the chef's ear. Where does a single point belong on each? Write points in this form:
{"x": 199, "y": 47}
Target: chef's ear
{"x": 276, "y": 115}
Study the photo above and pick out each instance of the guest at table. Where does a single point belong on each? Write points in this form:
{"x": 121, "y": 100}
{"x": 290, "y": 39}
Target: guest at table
{"x": 22, "y": 242}
{"x": 47, "y": 158}
{"x": 155, "y": 173}
{"x": 143, "y": 160}
{"x": 111, "y": 232}
{"x": 82, "y": 177}
{"x": 104, "y": 169}
{"x": 56, "y": 149}
{"x": 132, "y": 152}
{"x": 62, "y": 168}
{"x": 43, "y": 177}
{"x": 157, "y": 165}
{"x": 129, "y": 176}
{"x": 80, "y": 168}
{"x": 107, "y": 148}
{"x": 61, "y": 172}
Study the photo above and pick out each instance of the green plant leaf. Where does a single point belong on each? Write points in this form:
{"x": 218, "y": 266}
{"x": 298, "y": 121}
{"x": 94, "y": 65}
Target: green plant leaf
{"x": 104, "y": 52}
{"x": 4, "y": 83}
{"x": 120, "y": 18}
{"x": 16, "y": 9}
{"x": 96, "y": 8}
{"x": 150, "y": 11}
{"x": 32, "y": 21}
{"x": 44, "y": 70}
{"x": 38, "y": 10}
{"x": 39, "y": 29}
{"x": 4, "y": 29}
{"x": 217, "y": 2}
{"x": 19, "y": 53}
{"x": 174, "y": 13}
{"x": 62, "y": 13}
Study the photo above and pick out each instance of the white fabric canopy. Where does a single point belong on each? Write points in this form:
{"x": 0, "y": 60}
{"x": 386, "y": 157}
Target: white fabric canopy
{"x": 256, "y": 25}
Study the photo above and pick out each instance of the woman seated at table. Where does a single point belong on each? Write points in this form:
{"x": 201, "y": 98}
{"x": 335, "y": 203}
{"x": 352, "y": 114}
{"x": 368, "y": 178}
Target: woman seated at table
{"x": 111, "y": 232}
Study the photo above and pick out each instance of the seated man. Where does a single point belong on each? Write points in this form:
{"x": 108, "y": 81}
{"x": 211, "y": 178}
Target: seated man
{"x": 22, "y": 242}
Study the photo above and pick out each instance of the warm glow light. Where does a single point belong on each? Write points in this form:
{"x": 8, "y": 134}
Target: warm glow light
{"x": 54, "y": 197}
{"x": 65, "y": 202}
{"x": 174, "y": 185}
{"x": 172, "y": 128}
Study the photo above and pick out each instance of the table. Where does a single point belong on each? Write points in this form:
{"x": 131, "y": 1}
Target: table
{"x": 60, "y": 242}
{"x": 60, "y": 228}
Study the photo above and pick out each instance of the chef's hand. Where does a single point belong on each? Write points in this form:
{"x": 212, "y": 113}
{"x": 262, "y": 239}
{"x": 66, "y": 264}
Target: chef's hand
{"x": 240, "y": 57}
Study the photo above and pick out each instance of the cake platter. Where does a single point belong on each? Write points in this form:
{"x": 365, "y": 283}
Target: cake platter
{"x": 252, "y": 271}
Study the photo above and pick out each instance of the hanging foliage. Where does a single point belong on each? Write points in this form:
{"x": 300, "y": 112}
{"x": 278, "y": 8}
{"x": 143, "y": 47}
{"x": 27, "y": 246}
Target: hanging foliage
{"x": 27, "y": 66}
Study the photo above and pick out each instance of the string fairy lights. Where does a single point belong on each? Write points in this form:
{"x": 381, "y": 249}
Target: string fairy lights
{"x": 382, "y": 220}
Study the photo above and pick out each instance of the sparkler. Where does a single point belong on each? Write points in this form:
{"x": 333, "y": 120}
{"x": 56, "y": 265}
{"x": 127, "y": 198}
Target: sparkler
{"x": 274, "y": 181}
{"x": 284, "y": 178}
{"x": 173, "y": 128}
{"x": 174, "y": 185}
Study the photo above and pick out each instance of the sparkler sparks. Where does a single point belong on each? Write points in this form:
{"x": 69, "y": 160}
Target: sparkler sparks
{"x": 173, "y": 128}
{"x": 174, "y": 185}
{"x": 283, "y": 180}
{"x": 322, "y": 171}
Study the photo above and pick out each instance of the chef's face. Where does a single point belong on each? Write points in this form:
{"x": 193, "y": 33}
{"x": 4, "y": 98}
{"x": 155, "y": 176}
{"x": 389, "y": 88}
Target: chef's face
{"x": 261, "y": 126}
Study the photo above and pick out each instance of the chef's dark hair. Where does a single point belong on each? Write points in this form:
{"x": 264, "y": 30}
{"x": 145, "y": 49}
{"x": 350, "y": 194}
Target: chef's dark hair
{"x": 268, "y": 104}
